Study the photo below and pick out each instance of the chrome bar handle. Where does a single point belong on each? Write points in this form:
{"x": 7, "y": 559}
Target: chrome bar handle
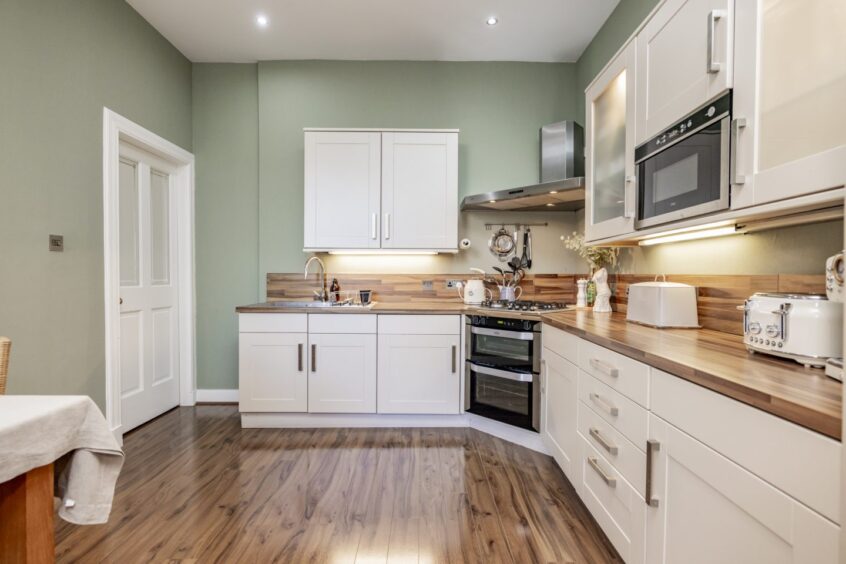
{"x": 610, "y": 480}
{"x": 314, "y": 358}
{"x": 387, "y": 226}
{"x": 605, "y": 404}
{"x": 454, "y": 359}
{"x": 713, "y": 16}
{"x": 604, "y": 367}
{"x": 543, "y": 376}
{"x": 627, "y": 212}
{"x": 300, "y": 357}
{"x": 736, "y": 125}
{"x": 373, "y": 234}
{"x": 652, "y": 446}
{"x": 782, "y": 312}
{"x": 603, "y": 442}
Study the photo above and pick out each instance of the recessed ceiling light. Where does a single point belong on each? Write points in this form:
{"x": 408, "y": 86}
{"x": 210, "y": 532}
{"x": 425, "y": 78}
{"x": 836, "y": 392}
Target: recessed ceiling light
{"x": 493, "y": 201}
{"x": 553, "y": 191}
{"x": 262, "y": 20}
{"x": 493, "y": 20}
{"x": 549, "y": 205}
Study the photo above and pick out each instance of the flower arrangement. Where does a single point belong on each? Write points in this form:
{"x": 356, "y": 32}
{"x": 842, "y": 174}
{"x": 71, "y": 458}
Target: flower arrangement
{"x": 596, "y": 257}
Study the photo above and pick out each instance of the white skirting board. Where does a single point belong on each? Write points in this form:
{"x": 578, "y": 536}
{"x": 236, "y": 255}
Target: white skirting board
{"x": 522, "y": 437}
{"x": 217, "y": 396}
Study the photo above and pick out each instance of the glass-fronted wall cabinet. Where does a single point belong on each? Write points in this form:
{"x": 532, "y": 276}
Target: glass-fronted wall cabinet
{"x": 610, "y": 175}
{"x": 789, "y": 126}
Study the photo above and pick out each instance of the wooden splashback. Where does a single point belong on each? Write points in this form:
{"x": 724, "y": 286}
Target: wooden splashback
{"x": 409, "y": 287}
{"x": 718, "y": 295}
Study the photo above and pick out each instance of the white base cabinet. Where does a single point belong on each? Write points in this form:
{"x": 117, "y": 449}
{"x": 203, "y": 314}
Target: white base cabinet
{"x": 559, "y": 390}
{"x": 342, "y": 373}
{"x": 272, "y": 372}
{"x": 709, "y": 509}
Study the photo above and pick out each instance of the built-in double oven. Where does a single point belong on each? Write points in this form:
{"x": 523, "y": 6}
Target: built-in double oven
{"x": 502, "y": 371}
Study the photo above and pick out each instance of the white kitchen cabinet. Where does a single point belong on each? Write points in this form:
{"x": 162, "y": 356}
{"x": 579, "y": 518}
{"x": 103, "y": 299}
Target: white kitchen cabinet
{"x": 272, "y": 373}
{"x": 342, "y": 373}
{"x": 381, "y": 190}
{"x": 559, "y": 390}
{"x": 789, "y": 126}
{"x": 684, "y": 59}
{"x": 708, "y": 509}
{"x": 419, "y": 374}
{"x": 419, "y": 190}
{"x": 342, "y": 189}
{"x": 610, "y": 140}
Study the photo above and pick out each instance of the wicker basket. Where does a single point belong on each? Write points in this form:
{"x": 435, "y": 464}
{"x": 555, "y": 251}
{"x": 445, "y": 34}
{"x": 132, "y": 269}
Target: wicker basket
{"x": 5, "y": 349}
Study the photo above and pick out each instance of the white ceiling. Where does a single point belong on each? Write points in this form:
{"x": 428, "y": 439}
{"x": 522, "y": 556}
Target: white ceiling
{"x": 442, "y": 30}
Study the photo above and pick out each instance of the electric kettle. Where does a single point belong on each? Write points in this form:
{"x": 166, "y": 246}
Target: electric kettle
{"x": 474, "y": 291}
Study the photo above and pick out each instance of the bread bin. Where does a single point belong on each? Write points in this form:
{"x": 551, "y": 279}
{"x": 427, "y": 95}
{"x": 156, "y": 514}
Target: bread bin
{"x": 663, "y": 304}
{"x": 807, "y": 328}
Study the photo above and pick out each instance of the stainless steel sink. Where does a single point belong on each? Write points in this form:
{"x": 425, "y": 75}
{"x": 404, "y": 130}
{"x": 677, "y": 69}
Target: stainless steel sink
{"x": 317, "y": 305}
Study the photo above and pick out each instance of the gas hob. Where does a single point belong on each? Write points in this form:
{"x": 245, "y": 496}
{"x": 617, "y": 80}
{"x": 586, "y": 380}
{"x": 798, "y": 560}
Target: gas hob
{"x": 523, "y": 305}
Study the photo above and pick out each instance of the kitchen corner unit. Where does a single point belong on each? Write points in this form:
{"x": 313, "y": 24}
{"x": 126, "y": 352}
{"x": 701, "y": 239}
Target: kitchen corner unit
{"x": 372, "y": 189}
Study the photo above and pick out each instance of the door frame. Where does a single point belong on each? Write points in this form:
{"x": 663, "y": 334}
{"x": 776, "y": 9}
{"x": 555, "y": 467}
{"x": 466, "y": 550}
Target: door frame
{"x": 117, "y": 128}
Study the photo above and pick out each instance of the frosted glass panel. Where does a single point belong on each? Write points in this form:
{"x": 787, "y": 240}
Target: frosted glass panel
{"x": 128, "y": 217}
{"x": 609, "y": 151}
{"x": 160, "y": 227}
{"x": 803, "y": 79}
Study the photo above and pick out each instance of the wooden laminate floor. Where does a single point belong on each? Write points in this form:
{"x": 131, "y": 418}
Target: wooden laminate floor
{"x": 198, "y": 488}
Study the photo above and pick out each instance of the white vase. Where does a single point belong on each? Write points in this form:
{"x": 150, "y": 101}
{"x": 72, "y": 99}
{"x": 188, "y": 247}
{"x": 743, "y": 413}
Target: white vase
{"x": 603, "y": 292}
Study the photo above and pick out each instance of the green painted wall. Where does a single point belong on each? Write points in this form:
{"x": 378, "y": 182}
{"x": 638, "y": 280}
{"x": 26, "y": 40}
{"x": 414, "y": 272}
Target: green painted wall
{"x": 225, "y": 118}
{"x": 61, "y": 63}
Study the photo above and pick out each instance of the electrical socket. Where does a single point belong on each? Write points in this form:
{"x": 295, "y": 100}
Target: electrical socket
{"x": 452, "y": 283}
{"x": 428, "y": 285}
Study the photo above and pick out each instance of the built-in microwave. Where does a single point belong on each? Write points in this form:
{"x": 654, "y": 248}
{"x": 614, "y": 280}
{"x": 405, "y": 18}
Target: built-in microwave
{"x": 684, "y": 170}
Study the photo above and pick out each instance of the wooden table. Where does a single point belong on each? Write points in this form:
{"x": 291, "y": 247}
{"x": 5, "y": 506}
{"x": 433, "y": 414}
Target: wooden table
{"x": 26, "y": 518}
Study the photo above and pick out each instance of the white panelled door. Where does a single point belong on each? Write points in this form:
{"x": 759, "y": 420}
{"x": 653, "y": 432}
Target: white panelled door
{"x": 149, "y": 321}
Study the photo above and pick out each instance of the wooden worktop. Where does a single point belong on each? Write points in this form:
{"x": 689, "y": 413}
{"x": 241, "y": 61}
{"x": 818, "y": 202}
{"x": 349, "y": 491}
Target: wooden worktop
{"x": 431, "y": 307}
{"x": 720, "y": 362}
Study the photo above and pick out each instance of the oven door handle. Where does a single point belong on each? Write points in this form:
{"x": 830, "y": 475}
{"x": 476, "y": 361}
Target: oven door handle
{"x": 515, "y": 335}
{"x": 516, "y": 376}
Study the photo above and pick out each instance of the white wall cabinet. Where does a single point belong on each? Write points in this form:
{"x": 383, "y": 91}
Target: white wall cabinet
{"x": 342, "y": 373}
{"x": 343, "y": 171}
{"x": 419, "y": 190}
{"x": 419, "y": 373}
{"x": 709, "y": 509}
{"x": 559, "y": 388}
{"x": 790, "y": 83}
{"x": 381, "y": 189}
{"x": 272, "y": 373}
{"x": 609, "y": 148}
{"x": 684, "y": 59}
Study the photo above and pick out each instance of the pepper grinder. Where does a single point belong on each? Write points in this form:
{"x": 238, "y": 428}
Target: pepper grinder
{"x": 581, "y": 296}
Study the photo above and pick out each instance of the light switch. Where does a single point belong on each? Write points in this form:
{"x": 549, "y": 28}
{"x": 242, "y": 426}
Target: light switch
{"x": 57, "y": 243}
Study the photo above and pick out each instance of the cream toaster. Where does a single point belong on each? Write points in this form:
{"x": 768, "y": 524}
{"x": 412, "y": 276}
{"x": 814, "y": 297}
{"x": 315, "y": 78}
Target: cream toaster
{"x": 662, "y": 304}
{"x": 807, "y": 328}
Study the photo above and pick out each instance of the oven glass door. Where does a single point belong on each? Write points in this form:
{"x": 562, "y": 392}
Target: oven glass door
{"x": 514, "y": 350}
{"x": 503, "y": 395}
{"x": 686, "y": 179}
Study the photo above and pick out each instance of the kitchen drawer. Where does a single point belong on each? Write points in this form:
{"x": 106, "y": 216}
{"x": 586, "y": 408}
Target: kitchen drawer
{"x": 623, "y": 414}
{"x": 627, "y": 376}
{"x": 798, "y": 461}
{"x": 420, "y": 324}
{"x": 565, "y": 345}
{"x": 272, "y": 322}
{"x": 628, "y": 459}
{"x": 341, "y": 323}
{"x": 615, "y": 504}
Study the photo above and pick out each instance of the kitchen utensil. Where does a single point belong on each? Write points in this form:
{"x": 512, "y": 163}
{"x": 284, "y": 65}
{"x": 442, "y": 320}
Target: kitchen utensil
{"x": 501, "y": 244}
{"x": 524, "y": 259}
{"x": 834, "y": 277}
{"x": 528, "y": 248}
{"x": 510, "y": 293}
{"x": 662, "y": 304}
{"x": 807, "y": 328}
{"x": 514, "y": 263}
{"x": 501, "y": 273}
{"x": 473, "y": 291}
{"x": 364, "y": 296}
{"x": 581, "y": 296}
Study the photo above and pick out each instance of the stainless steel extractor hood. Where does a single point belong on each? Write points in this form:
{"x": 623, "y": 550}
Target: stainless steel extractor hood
{"x": 562, "y": 184}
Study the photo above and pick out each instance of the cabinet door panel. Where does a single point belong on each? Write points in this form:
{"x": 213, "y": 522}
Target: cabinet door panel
{"x": 272, "y": 372}
{"x": 609, "y": 147}
{"x": 419, "y": 374}
{"x": 674, "y": 50}
{"x": 712, "y": 510}
{"x": 342, "y": 188}
{"x": 419, "y": 190}
{"x": 560, "y": 390}
{"x": 342, "y": 374}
